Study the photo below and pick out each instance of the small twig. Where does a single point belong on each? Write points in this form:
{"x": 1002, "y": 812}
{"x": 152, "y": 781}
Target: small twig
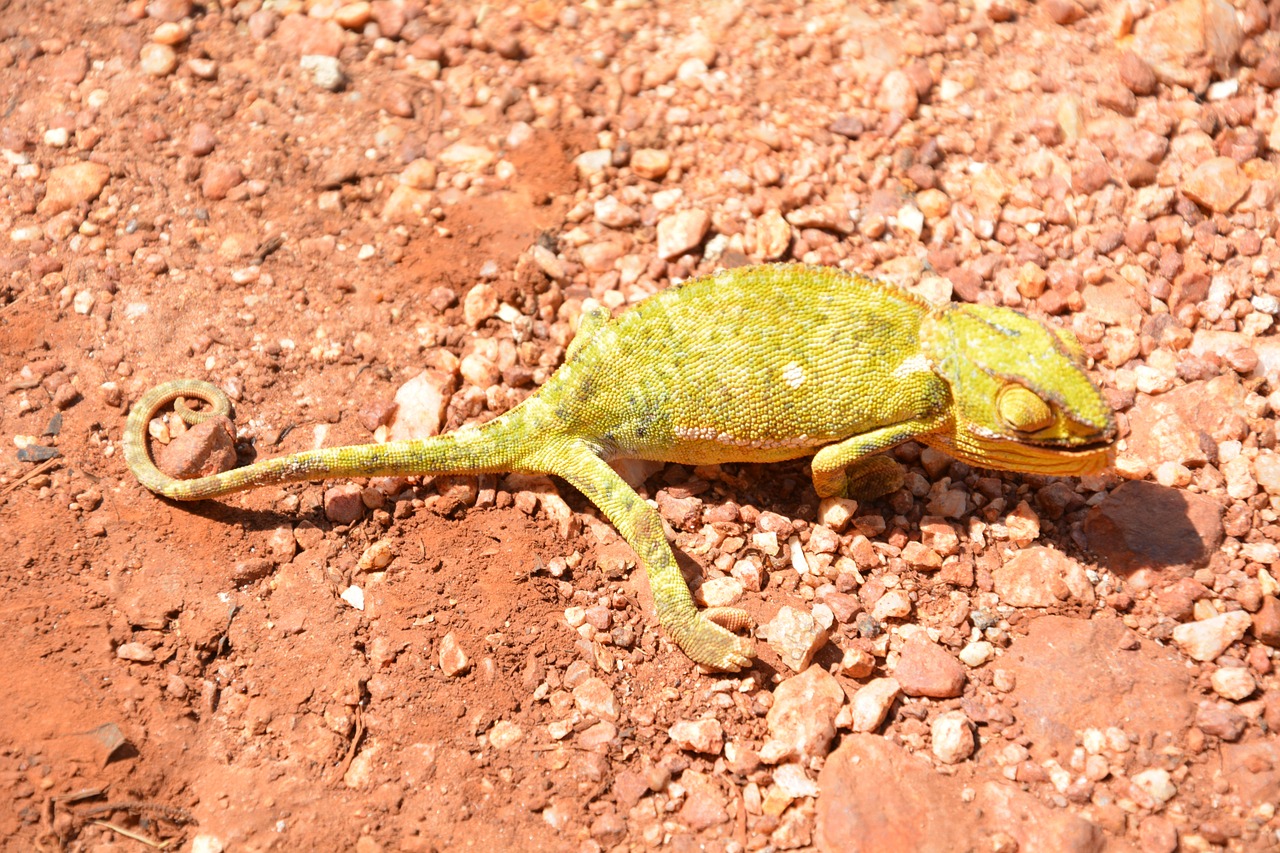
{"x": 355, "y": 744}
{"x": 159, "y": 845}
{"x": 39, "y": 469}
{"x": 265, "y": 249}
{"x": 173, "y": 814}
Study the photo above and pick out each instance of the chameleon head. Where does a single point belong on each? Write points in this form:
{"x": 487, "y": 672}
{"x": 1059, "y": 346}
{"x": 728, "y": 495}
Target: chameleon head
{"x": 1020, "y": 396}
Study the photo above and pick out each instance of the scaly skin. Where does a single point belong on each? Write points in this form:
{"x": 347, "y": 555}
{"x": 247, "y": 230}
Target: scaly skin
{"x": 756, "y": 364}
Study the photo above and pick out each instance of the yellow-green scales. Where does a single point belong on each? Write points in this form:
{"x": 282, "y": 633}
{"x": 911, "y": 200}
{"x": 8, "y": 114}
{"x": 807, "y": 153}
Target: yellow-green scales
{"x": 755, "y": 364}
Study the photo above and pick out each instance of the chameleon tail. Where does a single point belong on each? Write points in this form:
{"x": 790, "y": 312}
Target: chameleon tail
{"x": 492, "y": 447}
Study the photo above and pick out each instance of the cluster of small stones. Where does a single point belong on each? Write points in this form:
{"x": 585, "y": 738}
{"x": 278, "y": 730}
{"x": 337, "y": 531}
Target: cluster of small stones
{"x": 1128, "y": 183}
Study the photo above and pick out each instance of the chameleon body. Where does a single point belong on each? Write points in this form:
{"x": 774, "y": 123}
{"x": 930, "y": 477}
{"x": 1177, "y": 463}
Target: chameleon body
{"x": 756, "y": 364}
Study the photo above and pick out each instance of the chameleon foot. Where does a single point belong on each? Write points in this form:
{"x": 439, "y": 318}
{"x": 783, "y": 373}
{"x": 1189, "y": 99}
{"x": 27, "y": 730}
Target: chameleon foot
{"x": 873, "y": 478}
{"x": 716, "y": 648}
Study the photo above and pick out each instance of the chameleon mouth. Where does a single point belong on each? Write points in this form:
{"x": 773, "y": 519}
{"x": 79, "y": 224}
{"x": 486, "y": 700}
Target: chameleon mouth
{"x": 1004, "y": 455}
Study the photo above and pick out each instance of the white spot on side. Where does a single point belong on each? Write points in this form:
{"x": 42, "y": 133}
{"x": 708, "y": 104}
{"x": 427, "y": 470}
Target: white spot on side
{"x": 912, "y": 364}
{"x": 793, "y": 375}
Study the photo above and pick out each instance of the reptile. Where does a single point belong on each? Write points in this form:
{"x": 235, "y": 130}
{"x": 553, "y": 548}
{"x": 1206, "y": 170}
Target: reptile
{"x": 753, "y": 364}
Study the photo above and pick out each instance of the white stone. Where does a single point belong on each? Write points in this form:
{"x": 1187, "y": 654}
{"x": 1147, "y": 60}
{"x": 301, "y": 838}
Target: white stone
{"x": 872, "y": 702}
{"x": 705, "y": 736}
{"x": 505, "y": 734}
{"x": 1233, "y": 682}
{"x": 952, "y": 737}
{"x": 1157, "y": 783}
{"x": 1208, "y": 638}
{"x": 354, "y": 596}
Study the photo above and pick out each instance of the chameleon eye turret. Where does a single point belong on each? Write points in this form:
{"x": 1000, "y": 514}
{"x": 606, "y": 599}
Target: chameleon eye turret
{"x": 1023, "y": 410}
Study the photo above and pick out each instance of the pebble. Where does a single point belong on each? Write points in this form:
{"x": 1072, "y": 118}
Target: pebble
{"x": 1183, "y": 40}
{"x": 952, "y": 736}
{"x": 468, "y": 158}
{"x": 136, "y": 652}
{"x": 681, "y": 232}
{"x": 1136, "y": 74}
{"x": 72, "y": 185}
{"x": 1233, "y": 682}
{"x": 871, "y": 703}
{"x": 344, "y": 504}
{"x": 376, "y": 557}
{"x": 650, "y": 163}
{"x": 794, "y": 782}
{"x": 836, "y": 513}
{"x": 1217, "y": 184}
{"x": 202, "y": 140}
{"x": 593, "y": 698}
{"x": 205, "y": 843}
{"x": 353, "y": 16}
{"x": 158, "y": 60}
{"x": 926, "y": 669}
{"x": 898, "y": 94}
{"x": 453, "y": 660}
{"x": 721, "y": 592}
{"x": 1041, "y": 577}
{"x": 354, "y": 596}
{"x": 594, "y": 162}
{"x": 704, "y": 804}
{"x": 614, "y": 214}
{"x": 407, "y": 205}
{"x": 1266, "y": 622}
{"x": 326, "y": 71}
{"x": 795, "y": 636}
{"x": 705, "y": 736}
{"x": 977, "y": 653}
{"x": 204, "y": 449}
{"x": 1220, "y": 720}
{"x": 421, "y": 404}
{"x": 773, "y": 237}
{"x": 169, "y": 33}
{"x": 894, "y": 604}
{"x": 1208, "y": 638}
{"x": 802, "y": 718}
{"x": 480, "y": 303}
{"x": 219, "y": 179}
{"x": 1156, "y": 783}
{"x": 504, "y": 734}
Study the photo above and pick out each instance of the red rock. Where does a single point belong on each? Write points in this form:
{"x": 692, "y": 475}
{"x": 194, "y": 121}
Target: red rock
{"x": 307, "y": 36}
{"x": 219, "y": 179}
{"x": 876, "y": 798}
{"x": 206, "y": 448}
{"x": 344, "y": 504}
{"x": 1145, "y": 525}
{"x": 927, "y": 669}
{"x": 1072, "y": 674}
{"x": 1221, "y": 719}
{"x": 1266, "y": 622}
{"x": 73, "y": 184}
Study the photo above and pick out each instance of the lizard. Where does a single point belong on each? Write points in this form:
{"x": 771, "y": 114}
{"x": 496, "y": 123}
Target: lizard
{"x": 752, "y": 364}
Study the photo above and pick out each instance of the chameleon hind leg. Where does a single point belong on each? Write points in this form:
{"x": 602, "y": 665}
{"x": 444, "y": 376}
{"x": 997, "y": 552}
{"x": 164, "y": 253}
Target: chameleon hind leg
{"x": 706, "y": 637}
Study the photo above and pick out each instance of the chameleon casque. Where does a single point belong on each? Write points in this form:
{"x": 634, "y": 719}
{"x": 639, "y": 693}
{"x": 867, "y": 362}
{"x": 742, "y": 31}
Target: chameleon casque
{"x": 755, "y": 364}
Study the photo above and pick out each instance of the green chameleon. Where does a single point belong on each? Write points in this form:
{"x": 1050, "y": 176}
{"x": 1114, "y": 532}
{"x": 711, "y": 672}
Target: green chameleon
{"x": 756, "y": 364}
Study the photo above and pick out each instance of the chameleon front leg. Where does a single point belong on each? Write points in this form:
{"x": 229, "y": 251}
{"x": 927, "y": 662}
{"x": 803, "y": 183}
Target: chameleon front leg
{"x": 850, "y": 468}
{"x": 702, "y": 636}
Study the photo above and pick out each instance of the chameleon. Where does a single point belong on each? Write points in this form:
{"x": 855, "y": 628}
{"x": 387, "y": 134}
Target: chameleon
{"x": 752, "y": 364}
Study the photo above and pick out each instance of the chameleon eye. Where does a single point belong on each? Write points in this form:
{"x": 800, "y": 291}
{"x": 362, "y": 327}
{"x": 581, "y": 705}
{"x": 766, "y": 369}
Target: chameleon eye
{"x": 1022, "y": 410}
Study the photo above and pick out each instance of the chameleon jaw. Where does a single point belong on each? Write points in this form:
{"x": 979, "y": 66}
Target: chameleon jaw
{"x": 1005, "y": 455}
